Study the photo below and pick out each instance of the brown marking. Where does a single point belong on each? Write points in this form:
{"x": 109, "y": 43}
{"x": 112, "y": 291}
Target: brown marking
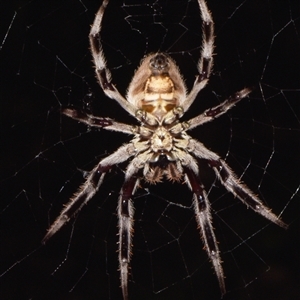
{"x": 159, "y": 96}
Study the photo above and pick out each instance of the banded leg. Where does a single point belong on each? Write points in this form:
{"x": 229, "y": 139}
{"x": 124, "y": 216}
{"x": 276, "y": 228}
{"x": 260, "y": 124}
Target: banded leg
{"x": 232, "y": 183}
{"x": 102, "y": 72}
{"x": 125, "y": 215}
{"x": 98, "y": 122}
{"x": 89, "y": 188}
{"x": 215, "y": 112}
{"x": 206, "y": 60}
{"x": 204, "y": 220}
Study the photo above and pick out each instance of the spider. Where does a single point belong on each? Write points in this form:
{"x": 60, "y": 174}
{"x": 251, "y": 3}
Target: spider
{"x": 157, "y": 97}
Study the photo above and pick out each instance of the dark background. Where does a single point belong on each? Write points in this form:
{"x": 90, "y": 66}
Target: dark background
{"x": 46, "y": 65}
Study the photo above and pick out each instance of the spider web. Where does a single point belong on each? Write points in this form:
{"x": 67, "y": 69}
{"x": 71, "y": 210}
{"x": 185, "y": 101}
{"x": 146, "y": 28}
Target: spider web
{"x": 46, "y": 65}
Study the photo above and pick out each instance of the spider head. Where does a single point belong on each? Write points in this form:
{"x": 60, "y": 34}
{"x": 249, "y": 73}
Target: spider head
{"x": 159, "y": 64}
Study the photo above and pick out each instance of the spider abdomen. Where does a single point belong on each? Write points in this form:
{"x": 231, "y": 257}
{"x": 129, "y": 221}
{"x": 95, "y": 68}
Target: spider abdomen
{"x": 157, "y": 86}
{"x": 159, "y": 96}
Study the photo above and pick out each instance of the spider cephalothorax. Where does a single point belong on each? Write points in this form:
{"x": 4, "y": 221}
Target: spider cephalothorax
{"x": 157, "y": 98}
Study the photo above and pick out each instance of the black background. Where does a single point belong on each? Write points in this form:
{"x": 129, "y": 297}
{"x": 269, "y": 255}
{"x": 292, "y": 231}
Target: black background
{"x": 46, "y": 65}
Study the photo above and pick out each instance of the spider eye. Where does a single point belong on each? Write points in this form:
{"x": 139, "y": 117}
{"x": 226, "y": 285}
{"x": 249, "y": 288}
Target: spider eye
{"x": 159, "y": 64}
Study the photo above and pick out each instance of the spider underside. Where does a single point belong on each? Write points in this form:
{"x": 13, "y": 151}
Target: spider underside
{"x": 157, "y": 98}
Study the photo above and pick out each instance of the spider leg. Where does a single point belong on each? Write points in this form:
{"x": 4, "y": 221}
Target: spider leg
{"x": 125, "y": 215}
{"x": 102, "y": 72}
{"x": 89, "y": 188}
{"x": 203, "y": 218}
{"x": 125, "y": 212}
{"x": 232, "y": 183}
{"x": 213, "y": 113}
{"x": 206, "y": 60}
{"x": 98, "y": 122}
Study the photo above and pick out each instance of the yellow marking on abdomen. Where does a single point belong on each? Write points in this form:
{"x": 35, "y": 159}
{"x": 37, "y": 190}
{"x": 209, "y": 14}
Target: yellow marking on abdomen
{"x": 159, "y": 96}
